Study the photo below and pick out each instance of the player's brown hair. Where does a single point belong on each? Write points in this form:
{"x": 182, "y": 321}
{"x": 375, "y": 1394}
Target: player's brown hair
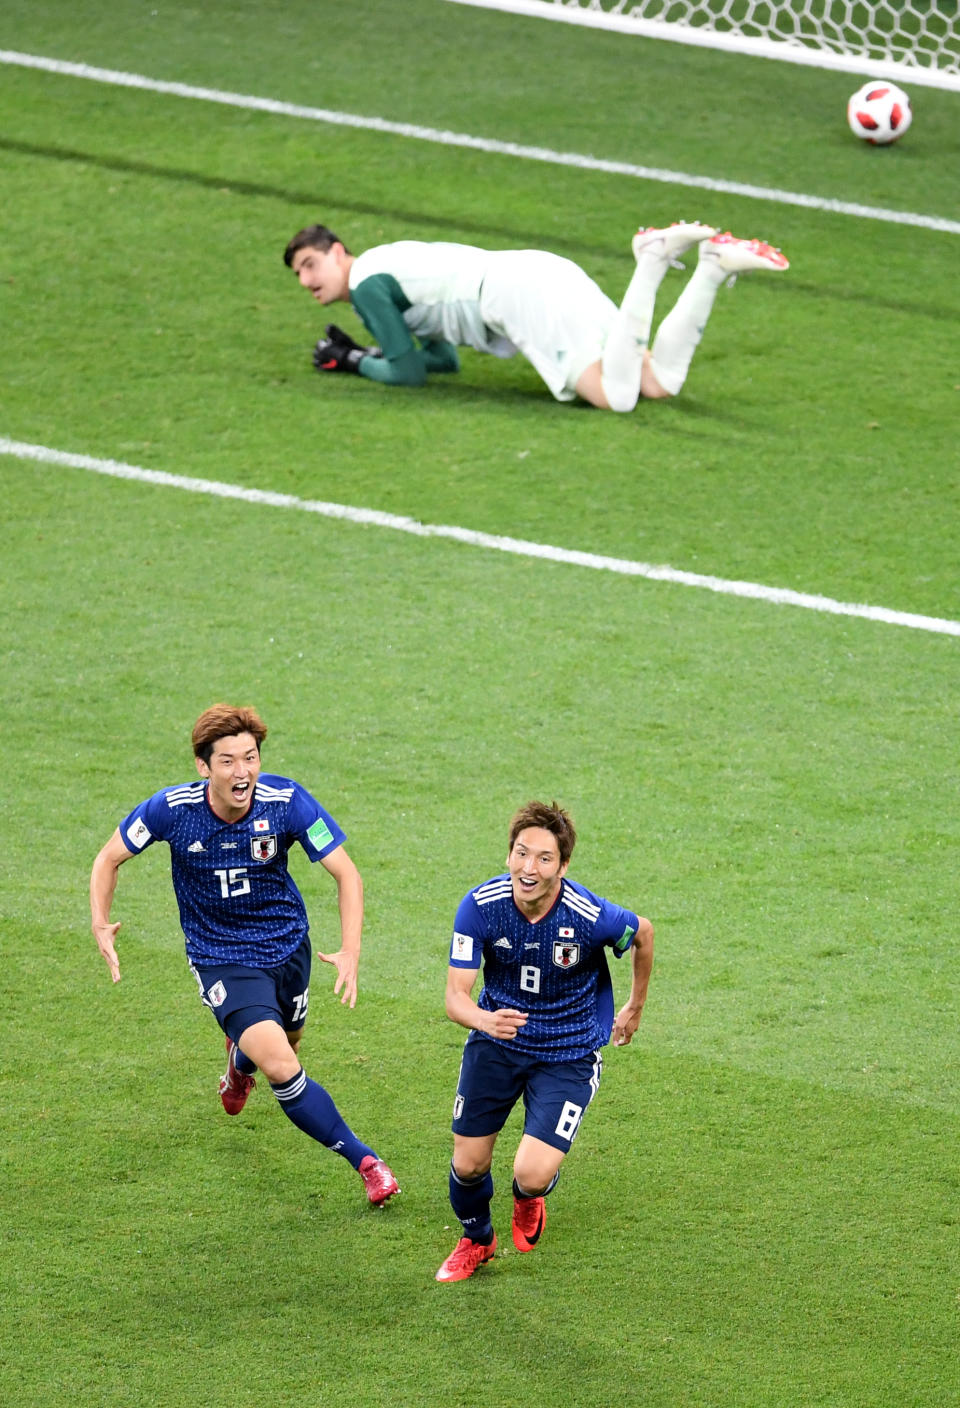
{"x": 313, "y": 237}
{"x": 225, "y": 721}
{"x": 551, "y": 817}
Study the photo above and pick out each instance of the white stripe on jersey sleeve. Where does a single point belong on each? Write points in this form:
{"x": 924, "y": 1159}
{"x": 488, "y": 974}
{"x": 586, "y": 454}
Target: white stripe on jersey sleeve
{"x": 582, "y": 905}
{"x": 494, "y": 890}
{"x": 265, "y": 793}
{"x": 190, "y": 792}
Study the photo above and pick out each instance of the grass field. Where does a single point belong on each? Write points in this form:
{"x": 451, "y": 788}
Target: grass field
{"x": 762, "y": 1207}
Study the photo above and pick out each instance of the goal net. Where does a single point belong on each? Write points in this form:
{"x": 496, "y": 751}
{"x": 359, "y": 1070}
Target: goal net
{"x": 908, "y": 40}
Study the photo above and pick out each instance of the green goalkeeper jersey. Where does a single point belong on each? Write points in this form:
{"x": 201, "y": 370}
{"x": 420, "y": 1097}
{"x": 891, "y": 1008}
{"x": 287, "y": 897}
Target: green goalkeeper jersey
{"x": 413, "y": 292}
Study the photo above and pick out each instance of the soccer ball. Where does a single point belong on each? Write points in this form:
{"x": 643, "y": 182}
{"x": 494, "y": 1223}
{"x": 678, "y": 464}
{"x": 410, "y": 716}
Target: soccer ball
{"x": 879, "y": 112}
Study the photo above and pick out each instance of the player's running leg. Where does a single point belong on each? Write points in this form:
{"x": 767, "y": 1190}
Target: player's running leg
{"x": 536, "y": 1169}
{"x": 471, "y": 1192}
{"x": 470, "y": 1199}
{"x": 311, "y": 1108}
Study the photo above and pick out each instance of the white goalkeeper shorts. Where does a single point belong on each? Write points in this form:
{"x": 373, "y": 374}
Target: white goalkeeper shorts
{"x": 552, "y": 312}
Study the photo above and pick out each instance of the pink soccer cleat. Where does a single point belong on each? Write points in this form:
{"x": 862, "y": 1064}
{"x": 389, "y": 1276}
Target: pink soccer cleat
{"x": 736, "y": 256}
{"x": 378, "y": 1180}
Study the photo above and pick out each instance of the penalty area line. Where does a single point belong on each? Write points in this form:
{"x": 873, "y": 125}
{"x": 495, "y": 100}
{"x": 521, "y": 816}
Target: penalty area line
{"x": 519, "y": 547}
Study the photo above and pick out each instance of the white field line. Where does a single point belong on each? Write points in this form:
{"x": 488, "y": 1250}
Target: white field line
{"x": 778, "y": 596}
{"x": 485, "y": 144}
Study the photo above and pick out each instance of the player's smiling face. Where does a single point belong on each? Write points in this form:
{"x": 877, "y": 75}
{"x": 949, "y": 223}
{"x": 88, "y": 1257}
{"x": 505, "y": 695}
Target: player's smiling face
{"x": 535, "y": 870}
{"x": 232, "y": 771}
{"x": 324, "y": 273}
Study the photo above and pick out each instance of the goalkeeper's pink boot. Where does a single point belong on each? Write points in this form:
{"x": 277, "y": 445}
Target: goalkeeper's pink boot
{"x": 736, "y": 256}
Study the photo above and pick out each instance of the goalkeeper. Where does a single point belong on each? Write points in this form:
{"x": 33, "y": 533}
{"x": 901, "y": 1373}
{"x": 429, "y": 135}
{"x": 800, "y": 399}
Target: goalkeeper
{"x": 420, "y": 301}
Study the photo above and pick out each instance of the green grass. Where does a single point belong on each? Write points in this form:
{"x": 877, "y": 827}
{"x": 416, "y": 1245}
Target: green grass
{"x": 762, "y": 1206}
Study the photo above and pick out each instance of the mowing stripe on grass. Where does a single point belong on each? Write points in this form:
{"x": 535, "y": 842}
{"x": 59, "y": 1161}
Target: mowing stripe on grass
{"x": 778, "y": 596}
{"x": 485, "y": 144}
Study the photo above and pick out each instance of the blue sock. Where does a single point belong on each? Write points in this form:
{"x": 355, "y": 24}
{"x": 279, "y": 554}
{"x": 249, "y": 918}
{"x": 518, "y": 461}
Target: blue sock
{"x": 244, "y": 1065}
{"x": 519, "y": 1192}
{"x": 311, "y": 1109}
{"x": 470, "y": 1200}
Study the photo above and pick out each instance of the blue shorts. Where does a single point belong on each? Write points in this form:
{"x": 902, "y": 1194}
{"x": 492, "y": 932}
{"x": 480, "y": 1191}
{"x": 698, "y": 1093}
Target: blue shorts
{"x": 238, "y": 996}
{"x": 555, "y": 1093}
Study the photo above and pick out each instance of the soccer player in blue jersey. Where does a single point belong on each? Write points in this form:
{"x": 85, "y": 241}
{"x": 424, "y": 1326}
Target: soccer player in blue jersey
{"x": 537, "y": 1028}
{"x": 420, "y": 300}
{"x": 244, "y": 919}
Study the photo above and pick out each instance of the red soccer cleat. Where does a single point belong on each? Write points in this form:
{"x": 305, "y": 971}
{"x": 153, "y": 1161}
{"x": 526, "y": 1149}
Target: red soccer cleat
{"x": 465, "y": 1258}
{"x": 378, "y": 1180}
{"x": 529, "y": 1220}
{"x": 234, "y": 1086}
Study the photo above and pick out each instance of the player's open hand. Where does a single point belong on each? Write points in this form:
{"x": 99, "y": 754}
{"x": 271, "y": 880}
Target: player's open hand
{"x": 346, "y": 964}
{"x": 105, "y": 935}
{"x": 504, "y": 1023}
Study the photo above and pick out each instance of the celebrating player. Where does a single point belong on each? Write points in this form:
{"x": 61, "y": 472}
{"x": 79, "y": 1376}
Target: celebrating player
{"x": 420, "y": 301}
{"x": 244, "y": 919}
{"x": 545, "y": 1010}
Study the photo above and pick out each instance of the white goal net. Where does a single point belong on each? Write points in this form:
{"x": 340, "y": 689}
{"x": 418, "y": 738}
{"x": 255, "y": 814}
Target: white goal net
{"x": 909, "y": 40}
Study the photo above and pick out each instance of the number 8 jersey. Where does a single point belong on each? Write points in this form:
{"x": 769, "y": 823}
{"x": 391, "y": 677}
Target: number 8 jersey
{"x": 555, "y": 969}
{"x": 238, "y": 902}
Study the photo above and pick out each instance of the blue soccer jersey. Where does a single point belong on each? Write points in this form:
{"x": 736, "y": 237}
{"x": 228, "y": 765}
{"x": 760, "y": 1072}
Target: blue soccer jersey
{"x": 555, "y": 969}
{"x": 238, "y": 902}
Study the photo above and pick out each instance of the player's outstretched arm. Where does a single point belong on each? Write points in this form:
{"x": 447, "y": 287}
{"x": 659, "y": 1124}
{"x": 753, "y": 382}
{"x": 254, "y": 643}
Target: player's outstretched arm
{"x": 103, "y": 883}
{"x": 641, "y": 955}
{"x": 379, "y": 302}
{"x": 460, "y": 1006}
{"x": 350, "y": 903}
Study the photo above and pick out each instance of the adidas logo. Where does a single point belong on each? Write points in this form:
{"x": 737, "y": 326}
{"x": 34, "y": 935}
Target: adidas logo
{"x": 503, "y": 943}
{"x": 196, "y": 846}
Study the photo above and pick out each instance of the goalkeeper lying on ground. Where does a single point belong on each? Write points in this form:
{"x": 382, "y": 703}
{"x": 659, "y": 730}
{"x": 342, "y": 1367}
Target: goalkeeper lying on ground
{"x": 420, "y": 301}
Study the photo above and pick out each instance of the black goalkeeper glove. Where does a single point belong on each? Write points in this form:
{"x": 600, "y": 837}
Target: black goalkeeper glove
{"x": 337, "y": 352}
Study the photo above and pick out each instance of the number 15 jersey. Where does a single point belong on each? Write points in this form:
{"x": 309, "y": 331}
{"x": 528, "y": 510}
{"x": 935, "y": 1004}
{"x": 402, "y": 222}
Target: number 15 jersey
{"x": 238, "y": 902}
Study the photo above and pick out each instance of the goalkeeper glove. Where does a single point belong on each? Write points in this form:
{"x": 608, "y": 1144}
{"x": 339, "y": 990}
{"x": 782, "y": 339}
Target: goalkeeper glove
{"x": 337, "y": 352}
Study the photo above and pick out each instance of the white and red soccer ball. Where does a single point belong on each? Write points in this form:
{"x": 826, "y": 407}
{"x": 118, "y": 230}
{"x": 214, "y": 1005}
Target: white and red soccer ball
{"x": 879, "y": 112}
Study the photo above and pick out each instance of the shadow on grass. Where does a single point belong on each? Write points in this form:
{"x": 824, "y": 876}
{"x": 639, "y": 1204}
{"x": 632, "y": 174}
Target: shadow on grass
{"x": 514, "y": 237}
{"x": 517, "y": 238}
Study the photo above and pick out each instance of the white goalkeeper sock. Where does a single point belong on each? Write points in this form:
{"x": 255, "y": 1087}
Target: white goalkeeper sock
{"x": 627, "y": 340}
{"x": 678, "y": 336}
